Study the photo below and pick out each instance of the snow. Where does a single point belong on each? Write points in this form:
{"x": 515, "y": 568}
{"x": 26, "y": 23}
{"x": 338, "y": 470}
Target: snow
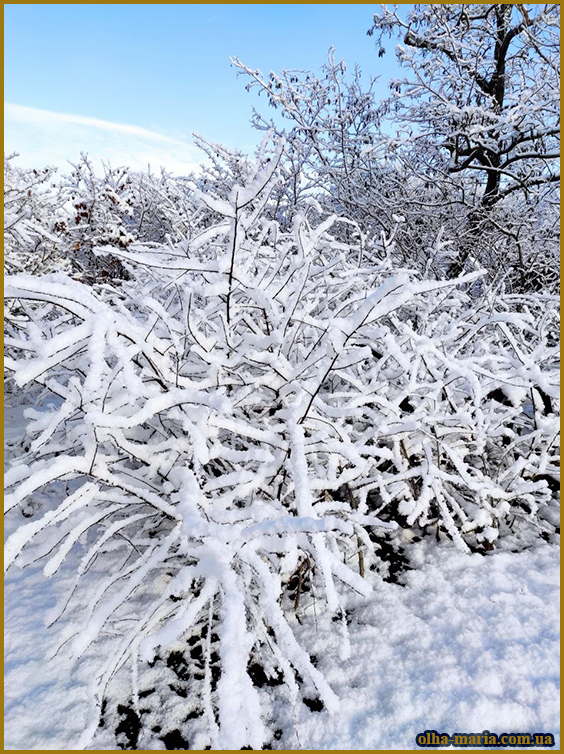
{"x": 469, "y": 643}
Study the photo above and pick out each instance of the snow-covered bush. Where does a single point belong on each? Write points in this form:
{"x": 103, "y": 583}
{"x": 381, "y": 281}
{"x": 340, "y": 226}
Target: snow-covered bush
{"x": 31, "y": 223}
{"x": 163, "y": 208}
{"x": 254, "y": 407}
{"x": 98, "y": 210}
{"x": 52, "y": 224}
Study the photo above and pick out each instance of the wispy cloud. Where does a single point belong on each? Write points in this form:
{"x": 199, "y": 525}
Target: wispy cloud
{"x": 43, "y": 137}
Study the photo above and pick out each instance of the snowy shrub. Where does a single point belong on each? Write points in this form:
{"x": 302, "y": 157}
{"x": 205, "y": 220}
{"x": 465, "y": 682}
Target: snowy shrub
{"x": 53, "y": 226}
{"x": 251, "y": 411}
{"x": 31, "y": 229}
{"x": 98, "y": 212}
{"x": 163, "y": 208}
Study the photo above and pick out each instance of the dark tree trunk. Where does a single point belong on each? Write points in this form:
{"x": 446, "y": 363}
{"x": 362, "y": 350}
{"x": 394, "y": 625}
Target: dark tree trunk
{"x": 490, "y": 159}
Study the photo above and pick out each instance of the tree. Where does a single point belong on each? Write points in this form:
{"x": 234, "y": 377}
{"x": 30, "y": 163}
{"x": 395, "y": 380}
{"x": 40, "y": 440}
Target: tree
{"x": 481, "y": 106}
{"x": 333, "y": 121}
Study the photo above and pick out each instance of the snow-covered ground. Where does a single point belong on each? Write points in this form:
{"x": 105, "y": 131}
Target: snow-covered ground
{"x": 469, "y": 643}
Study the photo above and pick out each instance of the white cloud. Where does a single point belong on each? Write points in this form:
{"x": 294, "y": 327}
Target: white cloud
{"x": 42, "y": 137}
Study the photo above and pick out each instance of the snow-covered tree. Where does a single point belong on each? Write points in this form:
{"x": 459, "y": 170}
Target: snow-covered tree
{"x": 473, "y": 159}
{"x": 480, "y": 106}
{"x": 333, "y": 120}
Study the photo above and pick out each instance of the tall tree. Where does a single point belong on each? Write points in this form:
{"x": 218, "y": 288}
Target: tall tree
{"x": 482, "y": 97}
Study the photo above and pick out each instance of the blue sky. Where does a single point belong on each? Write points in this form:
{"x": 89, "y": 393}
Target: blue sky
{"x": 132, "y": 82}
